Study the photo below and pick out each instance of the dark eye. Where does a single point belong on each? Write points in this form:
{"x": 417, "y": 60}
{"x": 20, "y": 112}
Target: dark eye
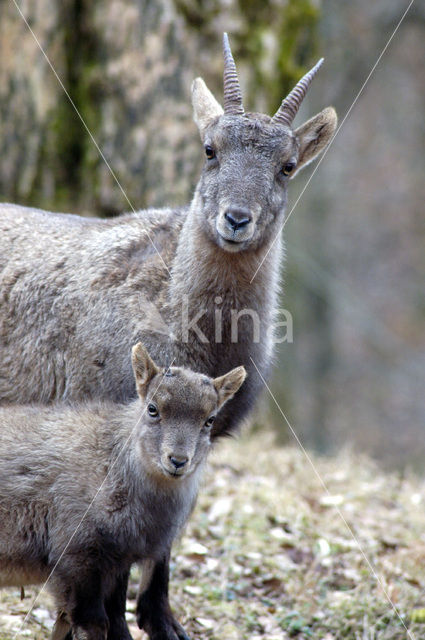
{"x": 153, "y": 410}
{"x": 288, "y": 168}
{"x": 209, "y": 152}
{"x": 210, "y": 421}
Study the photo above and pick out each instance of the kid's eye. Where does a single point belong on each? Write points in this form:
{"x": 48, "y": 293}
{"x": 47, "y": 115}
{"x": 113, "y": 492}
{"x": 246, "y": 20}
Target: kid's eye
{"x": 209, "y": 423}
{"x": 209, "y": 152}
{"x": 153, "y": 410}
{"x": 288, "y": 168}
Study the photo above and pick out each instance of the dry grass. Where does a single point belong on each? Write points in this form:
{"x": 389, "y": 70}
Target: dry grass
{"x": 268, "y": 555}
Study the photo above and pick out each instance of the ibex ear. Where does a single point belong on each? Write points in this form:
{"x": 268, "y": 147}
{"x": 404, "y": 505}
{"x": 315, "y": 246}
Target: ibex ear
{"x": 314, "y": 136}
{"x": 227, "y": 385}
{"x": 205, "y": 107}
{"x": 144, "y": 368}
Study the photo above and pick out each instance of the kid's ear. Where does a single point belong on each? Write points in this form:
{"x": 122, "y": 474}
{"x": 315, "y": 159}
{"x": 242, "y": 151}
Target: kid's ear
{"x": 227, "y": 385}
{"x": 144, "y": 368}
{"x": 205, "y": 107}
{"x": 314, "y": 136}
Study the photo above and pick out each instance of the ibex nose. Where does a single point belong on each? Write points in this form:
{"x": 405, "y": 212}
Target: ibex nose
{"x": 238, "y": 218}
{"x": 178, "y": 461}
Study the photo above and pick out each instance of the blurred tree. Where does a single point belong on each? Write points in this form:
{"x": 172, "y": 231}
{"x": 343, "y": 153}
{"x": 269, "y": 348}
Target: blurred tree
{"x": 127, "y": 67}
{"x": 355, "y": 259}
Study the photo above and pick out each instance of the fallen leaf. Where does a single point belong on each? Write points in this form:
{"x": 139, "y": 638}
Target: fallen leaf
{"x": 417, "y": 615}
{"x": 193, "y": 590}
{"x": 332, "y": 500}
{"x": 208, "y": 623}
{"x": 195, "y": 549}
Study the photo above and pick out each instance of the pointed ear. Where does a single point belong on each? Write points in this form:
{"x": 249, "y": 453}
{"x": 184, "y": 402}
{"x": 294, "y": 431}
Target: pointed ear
{"x": 144, "y": 368}
{"x": 314, "y": 136}
{"x": 227, "y": 385}
{"x": 205, "y": 107}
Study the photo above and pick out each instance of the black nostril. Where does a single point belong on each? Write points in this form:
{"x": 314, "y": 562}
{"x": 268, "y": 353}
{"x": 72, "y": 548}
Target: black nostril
{"x": 178, "y": 462}
{"x": 238, "y": 218}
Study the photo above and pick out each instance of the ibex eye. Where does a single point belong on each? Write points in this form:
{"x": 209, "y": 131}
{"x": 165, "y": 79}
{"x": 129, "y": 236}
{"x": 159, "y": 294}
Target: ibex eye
{"x": 288, "y": 168}
{"x": 210, "y": 421}
{"x": 153, "y": 410}
{"x": 210, "y": 153}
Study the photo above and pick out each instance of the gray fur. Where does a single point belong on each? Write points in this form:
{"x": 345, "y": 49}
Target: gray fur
{"x": 53, "y": 462}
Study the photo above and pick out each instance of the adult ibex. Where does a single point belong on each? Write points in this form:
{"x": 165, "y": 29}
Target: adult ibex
{"x": 75, "y": 293}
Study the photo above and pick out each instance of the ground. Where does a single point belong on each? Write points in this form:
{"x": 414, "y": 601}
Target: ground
{"x": 278, "y": 549}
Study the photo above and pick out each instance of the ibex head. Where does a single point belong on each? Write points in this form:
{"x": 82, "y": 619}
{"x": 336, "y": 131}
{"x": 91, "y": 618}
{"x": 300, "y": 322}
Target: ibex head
{"x": 175, "y": 429}
{"x": 251, "y": 157}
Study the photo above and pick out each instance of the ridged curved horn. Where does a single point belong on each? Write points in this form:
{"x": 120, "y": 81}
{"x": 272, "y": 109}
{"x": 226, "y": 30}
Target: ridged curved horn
{"x": 290, "y": 105}
{"x": 232, "y": 91}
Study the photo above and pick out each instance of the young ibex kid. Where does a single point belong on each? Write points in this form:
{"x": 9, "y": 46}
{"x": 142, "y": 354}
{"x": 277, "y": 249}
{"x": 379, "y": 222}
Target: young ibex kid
{"x": 87, "y": 491}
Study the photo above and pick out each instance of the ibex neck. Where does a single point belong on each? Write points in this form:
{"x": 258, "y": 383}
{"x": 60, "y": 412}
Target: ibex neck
{"x": 202, "y": 269}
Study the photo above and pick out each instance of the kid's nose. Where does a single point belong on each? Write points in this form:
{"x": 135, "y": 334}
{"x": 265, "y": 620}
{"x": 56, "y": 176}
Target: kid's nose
{"x": 178, "y": 461}
{"x": 237, "y": 218}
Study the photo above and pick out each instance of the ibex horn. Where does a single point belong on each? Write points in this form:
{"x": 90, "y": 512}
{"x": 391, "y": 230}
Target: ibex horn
{"x": 232, "y": 91}
{"x": 290, "y": 105}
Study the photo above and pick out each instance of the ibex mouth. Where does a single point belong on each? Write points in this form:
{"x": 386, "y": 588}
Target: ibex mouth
{"x": 233, "y": 240}
{"x": 174, "y": 473}
{"x": 231, "y": 245}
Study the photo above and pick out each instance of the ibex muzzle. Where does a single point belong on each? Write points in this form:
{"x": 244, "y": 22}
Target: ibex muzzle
{"x": 237, "y": 218}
